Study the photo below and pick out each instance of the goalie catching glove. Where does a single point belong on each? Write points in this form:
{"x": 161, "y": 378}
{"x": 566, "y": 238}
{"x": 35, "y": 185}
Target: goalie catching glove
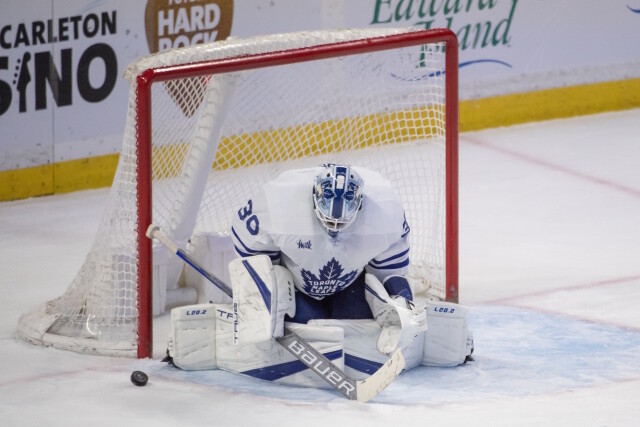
{"x": 399, "y": 319}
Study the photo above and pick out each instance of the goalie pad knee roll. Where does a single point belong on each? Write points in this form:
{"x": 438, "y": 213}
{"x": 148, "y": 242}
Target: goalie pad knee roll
{"x": 263, "y": 294}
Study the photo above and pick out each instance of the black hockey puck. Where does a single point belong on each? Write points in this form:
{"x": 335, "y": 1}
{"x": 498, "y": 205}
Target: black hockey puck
{"x": 139, "y": 378}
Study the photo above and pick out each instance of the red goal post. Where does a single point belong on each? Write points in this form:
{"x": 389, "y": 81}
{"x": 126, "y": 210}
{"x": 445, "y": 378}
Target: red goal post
{"x": 227, "y": 65}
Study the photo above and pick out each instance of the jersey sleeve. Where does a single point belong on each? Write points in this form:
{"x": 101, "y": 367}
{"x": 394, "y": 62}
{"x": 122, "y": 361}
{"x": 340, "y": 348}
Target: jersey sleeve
{"x": 394, "y": 261}
{"x": 250, "y": 230}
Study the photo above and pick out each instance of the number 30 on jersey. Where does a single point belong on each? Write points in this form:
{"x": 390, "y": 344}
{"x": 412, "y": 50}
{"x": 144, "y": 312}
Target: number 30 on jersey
{"x": 251, "y": 220}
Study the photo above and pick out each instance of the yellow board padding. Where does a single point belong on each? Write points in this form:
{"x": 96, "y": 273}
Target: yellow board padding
{"x": 63, "y": 177}
{"x": 83, "y": 174}
{"x": 306, "y": 140}
{"x": 549, "y": 104}
{"x": 506, "y": 110}
{"x": 26, "y": 182}
{"x": 311, "y": 139}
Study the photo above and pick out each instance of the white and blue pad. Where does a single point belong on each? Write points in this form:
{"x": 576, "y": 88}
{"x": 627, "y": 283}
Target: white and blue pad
{"x": 448, "y": 340}
{"x": 262, "y": 295}
{"x": 192, "y": 337}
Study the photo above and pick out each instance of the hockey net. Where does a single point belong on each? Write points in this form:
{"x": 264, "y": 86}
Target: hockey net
{"x": 208, "y": 124}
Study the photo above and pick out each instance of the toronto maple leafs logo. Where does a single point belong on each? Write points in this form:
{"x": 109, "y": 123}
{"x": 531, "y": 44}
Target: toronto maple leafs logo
{"x": 329, "y": 281}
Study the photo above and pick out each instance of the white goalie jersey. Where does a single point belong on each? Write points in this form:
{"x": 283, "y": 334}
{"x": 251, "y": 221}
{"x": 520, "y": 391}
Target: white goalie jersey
{"x": 279, "y": 221}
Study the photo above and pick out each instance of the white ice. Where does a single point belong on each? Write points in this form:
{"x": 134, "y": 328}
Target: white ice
{"x": 549, "y": 265}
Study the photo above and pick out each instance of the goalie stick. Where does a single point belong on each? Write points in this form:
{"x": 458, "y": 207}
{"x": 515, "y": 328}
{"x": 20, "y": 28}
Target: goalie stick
{"x": 359, "y": 390}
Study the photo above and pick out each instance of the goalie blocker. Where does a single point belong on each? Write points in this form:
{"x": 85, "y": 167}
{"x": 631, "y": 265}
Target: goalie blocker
{"x": 238, "y": 337}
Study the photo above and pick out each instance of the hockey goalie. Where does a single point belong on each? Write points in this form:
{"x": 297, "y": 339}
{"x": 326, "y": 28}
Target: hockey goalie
{"x": 326, "y": 251}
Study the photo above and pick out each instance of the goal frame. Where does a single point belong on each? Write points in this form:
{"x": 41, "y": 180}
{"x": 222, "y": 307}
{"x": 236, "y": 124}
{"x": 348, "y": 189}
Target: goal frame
{"x": 148, "y": 77}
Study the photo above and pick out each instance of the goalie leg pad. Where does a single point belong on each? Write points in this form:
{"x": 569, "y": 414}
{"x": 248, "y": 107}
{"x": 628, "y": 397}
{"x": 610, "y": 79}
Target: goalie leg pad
{"x": 361, "y": 357}
{"x": 269, "y": 361}
{"x": 448, "y": 340}
{"x": 262, "y": 295}
{"x": 192, "y": 337}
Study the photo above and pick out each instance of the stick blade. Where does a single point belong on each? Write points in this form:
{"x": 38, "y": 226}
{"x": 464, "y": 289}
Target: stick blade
{"x": 372, "y": 386}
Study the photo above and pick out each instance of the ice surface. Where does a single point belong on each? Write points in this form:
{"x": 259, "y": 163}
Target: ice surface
{"x": 549, "y": 265}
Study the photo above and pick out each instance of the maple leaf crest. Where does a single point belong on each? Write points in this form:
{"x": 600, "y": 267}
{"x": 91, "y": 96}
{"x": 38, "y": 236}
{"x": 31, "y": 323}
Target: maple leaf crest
{"x": 331, "y": 272}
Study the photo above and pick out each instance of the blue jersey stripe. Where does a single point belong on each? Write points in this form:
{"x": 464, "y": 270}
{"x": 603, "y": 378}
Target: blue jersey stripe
{"x": 245, "y": 254}
{"x": 248, "y": 249}
{"x": 375, "y": 262}
{"x": 391, "y": 266}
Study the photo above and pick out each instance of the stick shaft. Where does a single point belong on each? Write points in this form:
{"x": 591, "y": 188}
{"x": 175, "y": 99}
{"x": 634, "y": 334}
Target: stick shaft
{"x": 154, "y": 232}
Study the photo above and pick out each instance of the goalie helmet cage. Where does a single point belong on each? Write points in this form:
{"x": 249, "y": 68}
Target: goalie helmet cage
{"x": 209, "y": 123}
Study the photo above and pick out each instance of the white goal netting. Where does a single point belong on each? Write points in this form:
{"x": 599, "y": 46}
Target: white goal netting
{"x": 216, "y": 137}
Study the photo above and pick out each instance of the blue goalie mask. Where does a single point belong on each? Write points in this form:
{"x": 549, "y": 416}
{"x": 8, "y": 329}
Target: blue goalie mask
{"x": 337, "y": 196}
